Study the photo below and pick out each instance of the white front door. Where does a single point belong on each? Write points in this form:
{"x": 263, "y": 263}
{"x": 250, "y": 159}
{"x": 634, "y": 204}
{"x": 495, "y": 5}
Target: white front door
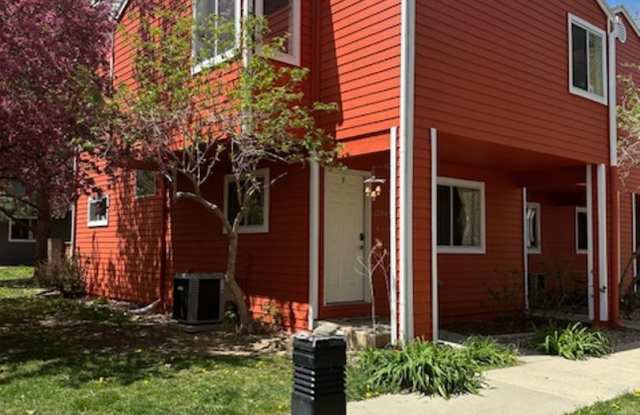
{"x": 344, "y": 237}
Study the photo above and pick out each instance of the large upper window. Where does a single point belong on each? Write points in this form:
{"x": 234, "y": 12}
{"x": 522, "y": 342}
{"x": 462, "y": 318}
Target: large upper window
{"x": 582, "y": 238}
{"x": 587, "y": 59}
{"x": 256, "y": 219}
{"x": 98, "y": 211}
{"x": 21, "y": 230}
{"x": 461, "y": 216}
{"x": 283, "y": 18}
{"x": 215, "y": 37}
{"x": 534, "y": 243}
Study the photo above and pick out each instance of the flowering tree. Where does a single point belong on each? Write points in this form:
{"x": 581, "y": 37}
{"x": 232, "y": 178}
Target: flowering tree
{"x": 52, "y": 56}
{"x": 232, "y": 116}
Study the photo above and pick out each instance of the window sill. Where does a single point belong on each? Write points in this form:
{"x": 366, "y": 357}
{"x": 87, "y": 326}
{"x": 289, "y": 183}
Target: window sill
{"x": 216, "y": 60}
{"x": 454, "y": 250}
{"x": 588, "y": 95}
{"x": 533, "y": 251}
{"x": 98, "y": 224}
{"x": 582, "y": 252}
{"x": 22, "y": 241}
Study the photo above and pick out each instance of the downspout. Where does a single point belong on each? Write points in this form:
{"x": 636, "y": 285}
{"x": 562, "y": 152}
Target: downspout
{"x": 614, "y": 275}
{"x": 407, "y": 80}
{"x": 163, "y": 245}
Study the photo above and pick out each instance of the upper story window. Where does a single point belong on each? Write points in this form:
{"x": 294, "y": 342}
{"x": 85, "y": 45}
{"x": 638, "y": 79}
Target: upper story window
{"x": 218, "y": 26}
{"x": 283, "y": 17}
{"x": 98, "y": 211}
{"x": 587, "y": 60}
{"x": 145, "y": 183}
{"x": 461, "y": 216}
{"x": 256, "y": 219}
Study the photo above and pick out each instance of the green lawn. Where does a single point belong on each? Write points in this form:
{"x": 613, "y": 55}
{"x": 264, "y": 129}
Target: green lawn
{"x": 63, "y": 357}
{"x": 625, "y": 405}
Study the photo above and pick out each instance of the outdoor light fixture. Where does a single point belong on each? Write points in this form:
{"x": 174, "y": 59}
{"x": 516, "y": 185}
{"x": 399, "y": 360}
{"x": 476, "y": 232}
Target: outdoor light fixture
{"x": 373, "y": 187}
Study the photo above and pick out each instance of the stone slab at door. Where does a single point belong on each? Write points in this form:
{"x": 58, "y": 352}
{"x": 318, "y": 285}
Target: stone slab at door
{"x": 344, "y": 237}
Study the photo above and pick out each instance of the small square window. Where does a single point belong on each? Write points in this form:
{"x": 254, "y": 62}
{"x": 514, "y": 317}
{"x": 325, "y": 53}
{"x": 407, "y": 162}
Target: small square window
{"x": 283, "y": 19}
{"x": 582, "y": 234}
{"x": 460, "y": 216}
{"x": 256, "y": 219}
{"x": 534, "y": 240}
{"x": 98, "y": 211}
{"x": 21, "y": 230}
{"x": 587, "y": 58}
{"x": 145, "y": 183}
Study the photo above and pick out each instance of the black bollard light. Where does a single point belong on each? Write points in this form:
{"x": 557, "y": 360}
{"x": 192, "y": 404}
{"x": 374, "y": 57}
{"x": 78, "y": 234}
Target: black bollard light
{"x": 319, "y": 376}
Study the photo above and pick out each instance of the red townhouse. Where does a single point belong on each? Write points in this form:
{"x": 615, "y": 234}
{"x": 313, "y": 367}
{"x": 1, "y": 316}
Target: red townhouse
{"x": 493, "y": 126}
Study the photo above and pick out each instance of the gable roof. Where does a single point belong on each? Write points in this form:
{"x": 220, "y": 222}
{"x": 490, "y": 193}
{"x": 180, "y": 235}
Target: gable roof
{"x": 620, "y": 9}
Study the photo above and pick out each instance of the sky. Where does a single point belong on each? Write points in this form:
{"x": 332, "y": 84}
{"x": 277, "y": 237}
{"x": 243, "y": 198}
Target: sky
{"x": 632, "y": 5}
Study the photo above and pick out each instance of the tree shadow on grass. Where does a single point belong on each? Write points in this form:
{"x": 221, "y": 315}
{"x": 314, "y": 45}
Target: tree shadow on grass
{"x": 18, "y": 283}
{"x": 82, "y": 344}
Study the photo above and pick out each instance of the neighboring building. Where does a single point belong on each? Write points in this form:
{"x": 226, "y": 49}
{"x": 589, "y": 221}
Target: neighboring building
{"x": 17, "y": 243}
{"x": 494, "y": 128}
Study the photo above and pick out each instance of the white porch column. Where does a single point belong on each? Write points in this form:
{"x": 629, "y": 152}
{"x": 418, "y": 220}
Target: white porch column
{"x": 590, "y": 269}
{"x": 434, "y": 235}
{"x": 603, "y": 264}
{"x": 525, "y": 249}
{"x": 314, "y": 235}
{"x": 393, "y": 235}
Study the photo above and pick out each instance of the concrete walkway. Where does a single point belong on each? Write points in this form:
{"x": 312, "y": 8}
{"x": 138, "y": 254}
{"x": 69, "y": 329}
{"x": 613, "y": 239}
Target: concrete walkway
{"x": 542, "y": 386}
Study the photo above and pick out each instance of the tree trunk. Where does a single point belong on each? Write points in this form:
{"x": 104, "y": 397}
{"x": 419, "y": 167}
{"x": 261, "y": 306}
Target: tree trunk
{"x": 42, "y": 230}
{"x": 230, "y": 277}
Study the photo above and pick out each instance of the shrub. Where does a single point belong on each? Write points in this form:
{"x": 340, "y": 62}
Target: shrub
{"x": 420, "y": 367}
{"x": 65, "y": 275}
{"x": 630, "y": 303}
{"x": 488, "y": 354}
{"x": 575, "y": 342}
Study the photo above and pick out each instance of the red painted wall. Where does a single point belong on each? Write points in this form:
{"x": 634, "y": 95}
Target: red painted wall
{"x": 470, "y": 284}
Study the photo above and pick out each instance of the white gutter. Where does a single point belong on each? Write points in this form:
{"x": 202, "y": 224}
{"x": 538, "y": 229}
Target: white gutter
{"x": 590, "y": 261}
{"x": 407, "y": 81}
{"x": 613, "y": 102}
{"x": 393, "y": 241}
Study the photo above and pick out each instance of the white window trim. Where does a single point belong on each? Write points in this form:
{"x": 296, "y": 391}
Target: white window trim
{"x": 538, "y": 208}
{"x": 474, "y": 250}
{"x": 21, "y": 241}
{"x": 573, "y": 19}
{"x": 155, "y": 186}
{"x": 264, "y": 228}
{"x": 97, "y": 223}
{"x": 222, "y": 57}
{"x": 292, "y": 58}
{"x": 577, "y": 238}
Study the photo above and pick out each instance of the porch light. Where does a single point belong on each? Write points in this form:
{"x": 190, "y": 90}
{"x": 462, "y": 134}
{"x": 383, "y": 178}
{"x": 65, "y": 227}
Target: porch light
{"x": 373, "y": 187}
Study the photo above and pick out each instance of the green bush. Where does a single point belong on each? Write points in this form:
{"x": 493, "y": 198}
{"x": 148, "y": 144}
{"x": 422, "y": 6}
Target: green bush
{"x": 575, "y": 342}
{"x": 488, "y": 354}
{"x": 65, "y": 275}
{"x": 420, "y": 367}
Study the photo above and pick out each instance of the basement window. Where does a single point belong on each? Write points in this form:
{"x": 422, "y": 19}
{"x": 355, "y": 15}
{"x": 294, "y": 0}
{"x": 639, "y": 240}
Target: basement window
{"x": 587, "y": 60}
{"x": 582, "y": 238}
{"x": 20, "y": 230}
{"x": 256, "y": 219}
{"x": 145, "y": 184}
{"x": 534, "y": 241}
{"x": 283, "y": 19}
{"x": 98, "y": 211}
{"x": 461, "y": 216}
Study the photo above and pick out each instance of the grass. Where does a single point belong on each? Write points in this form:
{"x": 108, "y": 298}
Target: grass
{"x": 624, "y": 405}
{"x": 65, "y": 357}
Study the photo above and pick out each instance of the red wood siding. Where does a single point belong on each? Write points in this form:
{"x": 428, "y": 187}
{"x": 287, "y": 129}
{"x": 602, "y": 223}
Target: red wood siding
{"x": 558, "y": 257}
{"x": 466, "y": 281}
{"x": 359, "y": 65}
{"x": 498, "y": 71}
